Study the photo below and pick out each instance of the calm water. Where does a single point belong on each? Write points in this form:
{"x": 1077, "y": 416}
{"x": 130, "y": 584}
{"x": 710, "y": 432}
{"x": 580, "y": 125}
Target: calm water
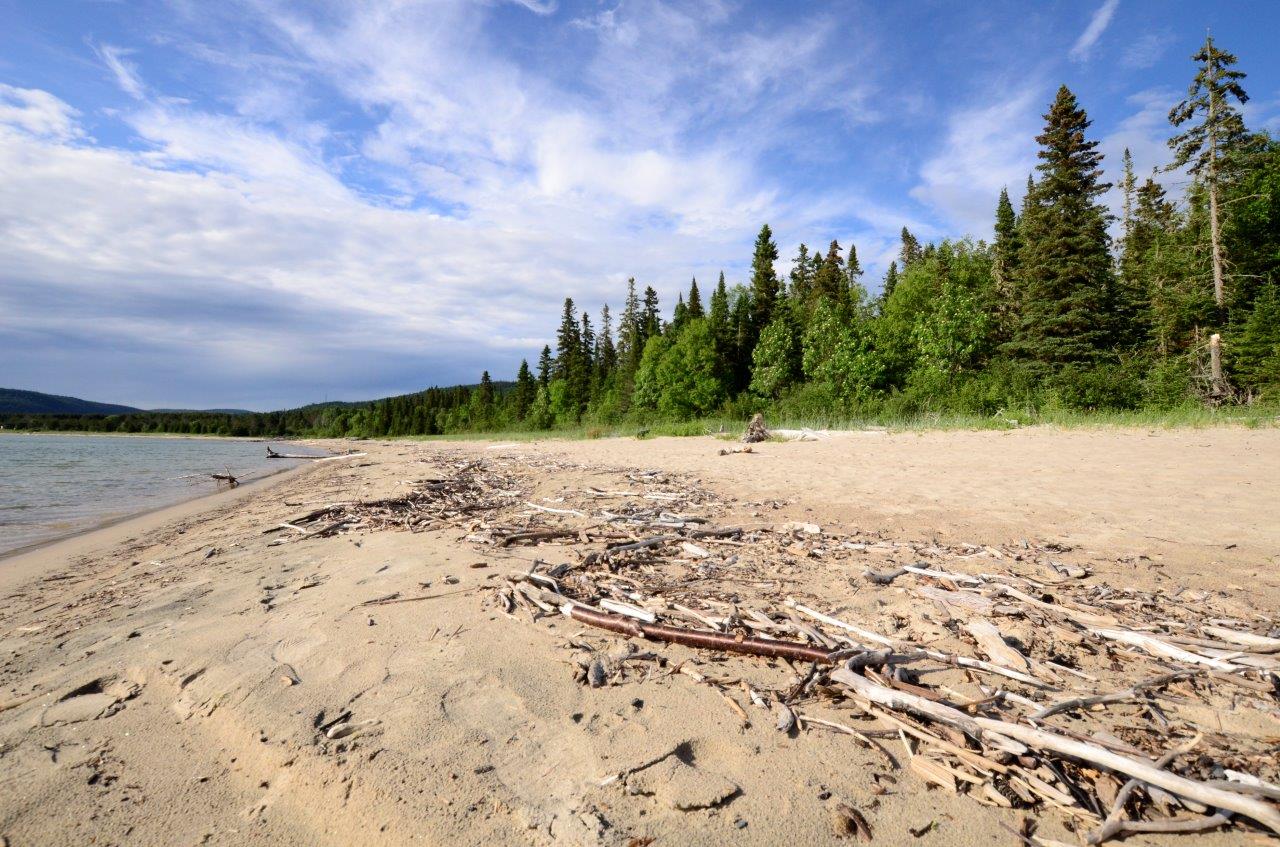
{"x": 56, "y": 485}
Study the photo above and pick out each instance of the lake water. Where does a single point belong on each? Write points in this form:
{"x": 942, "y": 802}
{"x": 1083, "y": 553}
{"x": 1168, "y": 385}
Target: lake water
{"x": 56, "y": 485}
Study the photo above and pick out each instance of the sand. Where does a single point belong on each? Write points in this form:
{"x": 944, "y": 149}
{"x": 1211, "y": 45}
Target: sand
{"x": 176, "y": 678}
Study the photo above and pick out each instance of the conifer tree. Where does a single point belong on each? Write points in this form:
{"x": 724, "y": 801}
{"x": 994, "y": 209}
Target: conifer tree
{"x": 1065, "y": 272}
{"x": 764, "y": 283}
{"x": 651, "y": 314}
{"x": 1256, "y": 357}
{"x": 525, "y": 391}
{"x": 680, "y": 314}
{"x": 606, "y": 353}
{"x": 483, "y": 400}
{"x": 853, "y": 270}
{"x": 1128, "y": 187}
{"x": 910, "y": 249}
{"x": 630, "y": 340}
{"x": 1207, "y": 145}
{"x": 588, "y": 337}
{"x": 568, "y": 342}
{"x": 1004, "y": 268}
{"x": 830, "y": 280}
{"x": 721, "y": 329}
{"x": 890, "y": 281}
{"x": 801, "y": 275}
{"x": 545, "y": 366}
{"x": 694, "y": 303}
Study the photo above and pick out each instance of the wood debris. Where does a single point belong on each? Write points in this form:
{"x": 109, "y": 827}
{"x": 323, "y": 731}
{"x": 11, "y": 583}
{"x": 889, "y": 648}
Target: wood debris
{"x": 1011, "y": 675}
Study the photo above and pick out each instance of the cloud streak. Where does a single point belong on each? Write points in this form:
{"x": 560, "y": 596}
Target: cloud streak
{"x": 1098, "y": 24}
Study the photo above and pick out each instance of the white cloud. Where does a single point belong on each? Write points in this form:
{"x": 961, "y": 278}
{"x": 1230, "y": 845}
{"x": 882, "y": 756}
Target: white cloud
{"x": 1145, "y": 51}
{"x": 1097, "y": 26}
{"x": 468, "y": 174}
{"x": 987, "y": 148}
{"x": 125, "y": 72}
{"x": 37, "y": 112}
{"x": 538, "y": 7}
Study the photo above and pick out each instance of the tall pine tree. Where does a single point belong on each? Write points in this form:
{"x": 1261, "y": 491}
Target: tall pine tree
{"x": 1065, "y": 272}
{"x": 1206, "y": 145}
{"x": 764, "y": 283}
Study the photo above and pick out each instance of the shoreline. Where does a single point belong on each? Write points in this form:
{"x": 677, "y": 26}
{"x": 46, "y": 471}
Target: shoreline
{"x": 27, "y": 562}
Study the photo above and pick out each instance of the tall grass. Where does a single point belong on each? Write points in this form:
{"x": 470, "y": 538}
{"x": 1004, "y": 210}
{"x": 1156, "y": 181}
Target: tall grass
{"x": 1193, "y": 417}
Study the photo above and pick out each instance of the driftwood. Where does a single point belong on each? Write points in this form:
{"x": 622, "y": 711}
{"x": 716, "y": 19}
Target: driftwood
{"x": 768, "y": 647}
{"x": 1210, "y": 795}
{"x": 537, "y": 535}
{"x": 756, "y": 431}
{"x": 226, "y": 477}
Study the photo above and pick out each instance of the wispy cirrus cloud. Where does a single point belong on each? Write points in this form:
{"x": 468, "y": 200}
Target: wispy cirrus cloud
{"x": 1098, "y": 24}
{"x": 124, "y": 71}
{"x": 986, "y": 148}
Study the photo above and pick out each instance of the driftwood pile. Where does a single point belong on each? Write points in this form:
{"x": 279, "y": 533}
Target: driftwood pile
{"x": 1007, "y": 674}
{"x": 469, "y": 495}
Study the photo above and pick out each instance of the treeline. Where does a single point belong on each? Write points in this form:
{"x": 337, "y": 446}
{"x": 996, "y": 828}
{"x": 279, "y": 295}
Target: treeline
{"x": 1182, "y": 308}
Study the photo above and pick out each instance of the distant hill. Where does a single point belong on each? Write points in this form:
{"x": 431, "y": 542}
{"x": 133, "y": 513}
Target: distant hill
{"x": 14, "y": 401}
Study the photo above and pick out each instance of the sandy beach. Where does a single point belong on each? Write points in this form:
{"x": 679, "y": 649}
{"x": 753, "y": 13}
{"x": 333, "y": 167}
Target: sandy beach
{"x": 200, "y": 675}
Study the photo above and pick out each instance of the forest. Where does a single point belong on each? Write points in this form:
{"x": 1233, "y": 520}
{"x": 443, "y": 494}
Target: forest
{"x": 1176, "y": 304}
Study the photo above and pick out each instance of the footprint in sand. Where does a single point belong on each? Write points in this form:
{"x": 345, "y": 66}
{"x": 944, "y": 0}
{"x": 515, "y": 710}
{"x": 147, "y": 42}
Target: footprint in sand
{"x": 101, "y": 697}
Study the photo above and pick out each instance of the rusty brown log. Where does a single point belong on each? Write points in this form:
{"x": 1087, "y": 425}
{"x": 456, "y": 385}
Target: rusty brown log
{"x": 537, "y": 535}
{"x": 768, "y": 647}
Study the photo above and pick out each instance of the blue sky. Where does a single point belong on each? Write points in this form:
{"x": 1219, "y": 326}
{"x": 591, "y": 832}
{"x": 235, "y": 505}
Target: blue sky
{"x": 260, "y": 203}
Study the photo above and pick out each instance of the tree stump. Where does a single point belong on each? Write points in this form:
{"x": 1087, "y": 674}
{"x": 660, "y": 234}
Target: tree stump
{"x": 755, "y": 430}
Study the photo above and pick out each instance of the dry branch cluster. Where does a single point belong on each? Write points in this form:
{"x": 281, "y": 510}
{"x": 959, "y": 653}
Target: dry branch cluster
{"x": 1006, "y": 674}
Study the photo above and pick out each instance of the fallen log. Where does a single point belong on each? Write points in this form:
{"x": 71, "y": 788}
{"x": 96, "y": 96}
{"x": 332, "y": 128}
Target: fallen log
{"x": 768, "y": 647}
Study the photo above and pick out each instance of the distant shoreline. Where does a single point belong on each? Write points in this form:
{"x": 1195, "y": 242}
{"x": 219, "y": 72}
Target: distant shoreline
{"x": 24, "y": 562}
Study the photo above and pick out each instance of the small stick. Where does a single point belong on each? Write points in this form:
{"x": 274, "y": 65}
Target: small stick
{"x": 848, "y": 730}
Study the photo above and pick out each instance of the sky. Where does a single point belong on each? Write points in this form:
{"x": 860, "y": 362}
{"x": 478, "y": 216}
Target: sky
{"x": 261, "y": 204}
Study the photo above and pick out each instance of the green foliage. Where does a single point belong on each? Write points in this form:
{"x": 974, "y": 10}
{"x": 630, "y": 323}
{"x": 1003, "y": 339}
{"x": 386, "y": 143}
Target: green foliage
{"x": 776, "y": 359}
{"x": 837, "y": 354}
{"x": 678, "y": 379}
{"x": 1065, "y": 276}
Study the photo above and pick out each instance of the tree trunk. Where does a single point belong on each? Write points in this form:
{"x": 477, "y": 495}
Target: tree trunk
{"x": 1215, "y": 238}
{"x": 1215, "y": 366}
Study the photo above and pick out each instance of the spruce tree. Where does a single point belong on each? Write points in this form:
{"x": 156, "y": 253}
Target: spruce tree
{"x": 1207, "y": 145}
{"x": 607, "y": 354}
{"x": 890, "y": 280}
{"x": 910, "y": 252}
{"x": 526, "y": 389}
{"x": 568, "y": 343}
{"x": 1065, "y": 273}
{"x": 764, "y": 283}
{"x": 651, "y": 314}
{"x": 545, "y": 365}
{"x": 680, "y": 314}
{"x": 801, "y": 275}
{"x": 1128, "y": 187}
{"x": 1256, "y": 355}
{"x": 853, "y": 270}
{"x": 1004, "y": 269}
{"x": 830, "y": 281}
{"x": 694, "y": 303}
